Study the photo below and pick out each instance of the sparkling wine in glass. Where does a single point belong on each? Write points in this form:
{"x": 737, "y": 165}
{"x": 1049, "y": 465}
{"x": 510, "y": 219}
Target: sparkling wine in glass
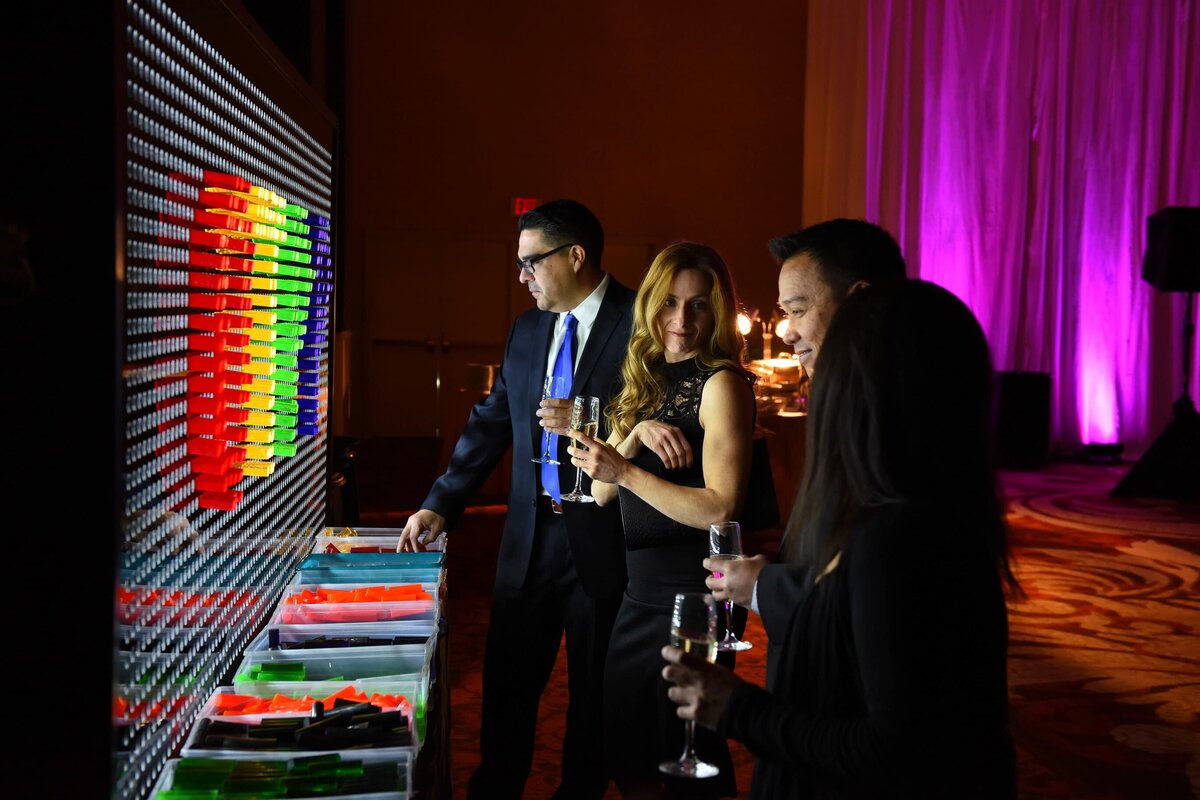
{"x": 693, "y": 630}
{"x": 585, "y": 417}
{"x": 558, "y": 387}
{"x": 725, "y": 544}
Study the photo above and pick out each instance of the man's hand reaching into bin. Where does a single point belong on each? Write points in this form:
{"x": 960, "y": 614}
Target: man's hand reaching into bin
{"x": 420, "y": 522}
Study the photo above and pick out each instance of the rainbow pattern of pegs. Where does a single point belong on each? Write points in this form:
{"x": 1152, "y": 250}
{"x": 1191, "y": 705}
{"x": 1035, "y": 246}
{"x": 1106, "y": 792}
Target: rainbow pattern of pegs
{"x": 258, "y": 281}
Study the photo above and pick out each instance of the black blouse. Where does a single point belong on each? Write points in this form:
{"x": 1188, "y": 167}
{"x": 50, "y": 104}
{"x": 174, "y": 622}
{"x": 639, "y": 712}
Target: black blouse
{"x": 891, "y": 678}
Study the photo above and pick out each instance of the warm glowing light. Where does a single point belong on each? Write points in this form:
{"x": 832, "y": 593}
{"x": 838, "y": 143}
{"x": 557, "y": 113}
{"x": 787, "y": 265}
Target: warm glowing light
{"x": 781, "y": 327}
{"x": 744, "y": 324}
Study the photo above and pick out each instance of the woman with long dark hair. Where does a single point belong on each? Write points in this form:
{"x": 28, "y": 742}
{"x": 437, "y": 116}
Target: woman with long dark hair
{"x": 891, "y": 680}
{"x": 678, "y": 460}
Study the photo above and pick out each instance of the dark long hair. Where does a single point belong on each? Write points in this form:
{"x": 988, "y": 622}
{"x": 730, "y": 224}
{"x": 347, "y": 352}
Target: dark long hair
{"x": 900, "y": 413}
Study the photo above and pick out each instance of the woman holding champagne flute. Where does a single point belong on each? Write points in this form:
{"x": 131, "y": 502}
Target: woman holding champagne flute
{"x": 891, "y": 678}
{"x": 678, "y": 459}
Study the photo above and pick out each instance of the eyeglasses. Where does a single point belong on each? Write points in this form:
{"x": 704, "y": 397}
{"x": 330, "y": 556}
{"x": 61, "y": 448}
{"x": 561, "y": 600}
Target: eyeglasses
{"x": 527, "y": 265}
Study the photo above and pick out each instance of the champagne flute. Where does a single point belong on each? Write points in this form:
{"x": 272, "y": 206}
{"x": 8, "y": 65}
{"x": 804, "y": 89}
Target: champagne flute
{"x": 693, "y": 630}
{"x": 585, "y": 417}
{"x": 725, "y": 544}
{"x": 556, "y": 386}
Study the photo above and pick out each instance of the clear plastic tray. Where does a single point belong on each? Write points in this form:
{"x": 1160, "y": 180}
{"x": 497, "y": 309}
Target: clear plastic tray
{"x": 342, "y": 663}
{"x": 408, "y": 687}
{"x": 382, "y": 537}
{"x": 334, "y": 573}
{"x": 425, "y": 629}
{"x": 387, "y": 559}
{"x": 343, "y": 613}
{"x": 402, "y": 758}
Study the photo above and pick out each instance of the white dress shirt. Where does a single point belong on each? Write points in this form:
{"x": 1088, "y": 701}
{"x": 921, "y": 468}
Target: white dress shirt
{"x": 585, "y": 319}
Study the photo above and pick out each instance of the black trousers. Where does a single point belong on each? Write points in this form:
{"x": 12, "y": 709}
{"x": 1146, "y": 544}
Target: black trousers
{"x": 524, "y": 633}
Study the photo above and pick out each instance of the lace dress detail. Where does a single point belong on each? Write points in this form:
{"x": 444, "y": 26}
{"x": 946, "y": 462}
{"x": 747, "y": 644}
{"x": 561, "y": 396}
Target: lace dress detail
{"x": 644, "y": 525}
{"x": 683, "y": 395}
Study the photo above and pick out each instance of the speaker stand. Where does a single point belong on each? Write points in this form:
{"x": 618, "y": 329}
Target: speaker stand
{"x": 1171, "y": 467}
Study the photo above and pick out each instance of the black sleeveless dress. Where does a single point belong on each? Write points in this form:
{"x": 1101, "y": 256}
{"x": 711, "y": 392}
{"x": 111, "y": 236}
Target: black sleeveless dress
{"x": 663, "y": 557}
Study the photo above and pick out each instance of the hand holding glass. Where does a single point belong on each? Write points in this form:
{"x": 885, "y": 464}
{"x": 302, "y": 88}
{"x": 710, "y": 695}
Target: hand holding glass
{"x": 693, "y": 630}
{"x": 725, "y": 544}
{"x": 585, "y": 418}
{"x": 556, "y": 386}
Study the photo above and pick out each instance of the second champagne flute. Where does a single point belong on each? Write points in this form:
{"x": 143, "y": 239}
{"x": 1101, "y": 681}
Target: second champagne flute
{"x": 556, "y": 386}
{"x": 693, "y": 629}
{"x": 725, "y": 544}
{"x": 585, "y": 418}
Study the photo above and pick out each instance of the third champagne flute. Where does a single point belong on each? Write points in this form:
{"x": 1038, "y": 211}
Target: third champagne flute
{"x": 555, "y": 386}
{"x": 725, "y": 544}
{"x": 694, "y": 630}
{"x": 585, "y": 418}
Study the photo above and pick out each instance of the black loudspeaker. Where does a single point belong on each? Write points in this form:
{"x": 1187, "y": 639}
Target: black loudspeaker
{"x": 1171, "y": 467}
{"x": 1172, "y": 262}
{"x": 1023, "y": 419}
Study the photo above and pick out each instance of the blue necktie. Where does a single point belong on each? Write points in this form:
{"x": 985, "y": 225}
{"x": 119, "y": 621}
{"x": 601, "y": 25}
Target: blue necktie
{"x": 564, "y": 367}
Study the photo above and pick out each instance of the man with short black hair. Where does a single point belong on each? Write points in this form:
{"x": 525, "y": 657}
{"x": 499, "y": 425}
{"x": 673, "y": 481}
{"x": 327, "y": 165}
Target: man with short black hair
{"x": 820, "y": 266}
{"x": 561, "y": 565}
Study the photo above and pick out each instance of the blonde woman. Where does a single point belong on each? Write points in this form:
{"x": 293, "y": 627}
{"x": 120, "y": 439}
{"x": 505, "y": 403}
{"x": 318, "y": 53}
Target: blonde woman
{"x": 677, "y": 460}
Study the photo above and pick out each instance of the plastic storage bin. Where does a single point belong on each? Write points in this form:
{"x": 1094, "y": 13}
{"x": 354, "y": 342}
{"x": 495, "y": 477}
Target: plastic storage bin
{"x": 352, "y": 612}
{"x": 424, "y": 630}
{"x": 296, "y": 690}
{"x": 337, "y": 664}
{"x": 374, "y": 761}
{"x": 345, "y": 664}
{"x": 348, "y": 568}
{"x": 386, "y": 538}
{"x": 332, "y": 561}
{"x": 330, "y": 572}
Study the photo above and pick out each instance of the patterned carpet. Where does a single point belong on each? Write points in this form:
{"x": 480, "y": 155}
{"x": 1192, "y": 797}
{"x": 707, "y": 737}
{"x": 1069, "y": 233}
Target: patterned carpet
{"x": 1104, "y": 659}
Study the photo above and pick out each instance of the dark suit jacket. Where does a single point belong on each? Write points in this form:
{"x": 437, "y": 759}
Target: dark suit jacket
{"x": 507, "y": 417}
{"x": 781, "y": 589}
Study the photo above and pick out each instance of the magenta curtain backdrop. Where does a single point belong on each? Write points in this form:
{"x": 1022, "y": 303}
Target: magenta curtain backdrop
{"x": 1016, "y": 149}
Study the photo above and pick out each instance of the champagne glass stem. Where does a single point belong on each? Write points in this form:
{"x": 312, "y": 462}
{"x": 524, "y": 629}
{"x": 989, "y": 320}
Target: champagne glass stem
{"x": 578, "y": 480}
{"x": 689, "y": 746}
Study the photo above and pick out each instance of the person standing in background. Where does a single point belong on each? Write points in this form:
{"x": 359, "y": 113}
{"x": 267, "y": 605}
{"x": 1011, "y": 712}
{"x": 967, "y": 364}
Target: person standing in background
{"x": 561, "y": 566}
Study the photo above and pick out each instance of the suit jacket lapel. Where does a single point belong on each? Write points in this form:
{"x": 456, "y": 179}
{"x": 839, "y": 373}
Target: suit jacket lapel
{"x": 607, "y": 320}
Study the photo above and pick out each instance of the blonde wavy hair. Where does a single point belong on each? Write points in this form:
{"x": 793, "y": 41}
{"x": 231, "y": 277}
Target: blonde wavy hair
{"x": 644, "y": 385}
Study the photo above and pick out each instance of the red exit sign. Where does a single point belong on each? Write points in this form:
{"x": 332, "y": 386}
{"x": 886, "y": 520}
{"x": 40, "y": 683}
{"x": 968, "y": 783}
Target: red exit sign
{"x": 523, "y": 204}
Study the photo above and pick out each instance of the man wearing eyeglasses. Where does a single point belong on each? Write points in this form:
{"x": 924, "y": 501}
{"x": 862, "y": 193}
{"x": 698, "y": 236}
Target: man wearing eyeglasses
{"x": 561, "y": 565}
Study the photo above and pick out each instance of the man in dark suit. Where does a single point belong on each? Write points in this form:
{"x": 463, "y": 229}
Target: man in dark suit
{"x": 819, "y": 267}
{"x": 561, "y": 566}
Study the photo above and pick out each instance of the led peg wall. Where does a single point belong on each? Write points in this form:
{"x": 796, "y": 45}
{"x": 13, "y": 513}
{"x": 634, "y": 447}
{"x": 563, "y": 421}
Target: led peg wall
{"x": 227, "y": 267}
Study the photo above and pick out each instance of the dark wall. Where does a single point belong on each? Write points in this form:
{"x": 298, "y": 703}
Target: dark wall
{"x": 671, "y": 121}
